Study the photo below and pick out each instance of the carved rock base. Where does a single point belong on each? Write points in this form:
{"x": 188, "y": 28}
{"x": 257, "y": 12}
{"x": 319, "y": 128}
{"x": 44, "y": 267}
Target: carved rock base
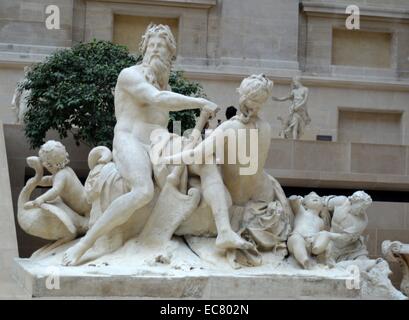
{"x": 99, "y": 282}
{"x": 177, "y": 272}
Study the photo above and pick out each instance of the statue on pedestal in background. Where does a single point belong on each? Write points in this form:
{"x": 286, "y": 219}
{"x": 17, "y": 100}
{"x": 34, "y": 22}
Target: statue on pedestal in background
{"x": 19, "y": 100}
{"x": 294, "y": 125}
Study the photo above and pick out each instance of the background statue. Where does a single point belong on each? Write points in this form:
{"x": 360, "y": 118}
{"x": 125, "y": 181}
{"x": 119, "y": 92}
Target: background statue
{"x": 19, "y": 100}
{"x": 293, "y": 127}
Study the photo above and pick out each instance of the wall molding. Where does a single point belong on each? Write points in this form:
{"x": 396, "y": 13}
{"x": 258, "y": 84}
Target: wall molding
{"x": 202, "y": 4}
{"x": 319, "y": 8}
{"x": 21, "y": 55}
{"x": 285, "y": 77}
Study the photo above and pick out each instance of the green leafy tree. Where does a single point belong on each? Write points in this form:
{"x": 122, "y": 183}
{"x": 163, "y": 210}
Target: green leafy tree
{"x": 72, "y": 93}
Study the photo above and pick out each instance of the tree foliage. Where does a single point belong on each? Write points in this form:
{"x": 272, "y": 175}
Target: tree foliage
{"x": 72, "y": 93}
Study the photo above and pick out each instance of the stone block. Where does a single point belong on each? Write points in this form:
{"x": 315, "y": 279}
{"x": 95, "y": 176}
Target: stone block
{"x": 386, "y": 215}
{"x": 196, "y": 285}
{"x": 379, "y": 159}
{"x": 320, "y": 156}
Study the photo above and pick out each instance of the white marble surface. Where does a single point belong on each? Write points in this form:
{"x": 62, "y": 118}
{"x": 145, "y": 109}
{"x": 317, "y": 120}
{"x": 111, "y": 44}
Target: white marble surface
{"x": 186, "y": 277}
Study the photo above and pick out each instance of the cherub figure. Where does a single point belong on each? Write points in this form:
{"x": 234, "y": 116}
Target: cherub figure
{"x": 349, "y": 221}
{"x": 63, "y": 180}
{"x": 61, "y": 213}
{"x": 309, "y": 236}
{"x": 19, "y": 100}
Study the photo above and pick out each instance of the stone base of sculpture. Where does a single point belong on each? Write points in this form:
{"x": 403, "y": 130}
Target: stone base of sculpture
{"x": 132, "y": 272}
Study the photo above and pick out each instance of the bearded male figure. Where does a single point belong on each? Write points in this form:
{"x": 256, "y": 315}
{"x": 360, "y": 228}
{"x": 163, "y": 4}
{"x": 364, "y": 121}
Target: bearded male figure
{"x": 142, "y": 104}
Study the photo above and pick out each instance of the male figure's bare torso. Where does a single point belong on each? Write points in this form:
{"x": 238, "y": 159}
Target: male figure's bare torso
{"x": 299, "y": 96}
{"x": 136, "y": 118}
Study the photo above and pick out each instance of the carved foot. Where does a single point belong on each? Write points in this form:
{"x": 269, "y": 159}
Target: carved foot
{"x": 330, "y": 262}
{"x": 48, "y": 248}
{"x": 163, "y": 259}
{"x": 309, "y": 264}
{"x": 157, "y": 255}
{"x": 231, "y": 240}
{"x": 39, "y": 253}
{"x": 72, "y": 255}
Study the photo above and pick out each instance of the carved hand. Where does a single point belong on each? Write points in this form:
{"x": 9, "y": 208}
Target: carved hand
{"x": 38, "y": 202}
{"x": 211, "y": 108}
{"x": 29, "y": 205}
{"x": 32, "y": 204}
{"x": 295, "y": 198}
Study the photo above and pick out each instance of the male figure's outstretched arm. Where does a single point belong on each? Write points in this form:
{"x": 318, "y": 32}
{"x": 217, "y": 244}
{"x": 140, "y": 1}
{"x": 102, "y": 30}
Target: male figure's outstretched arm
{"x": 283, "y": 98}
{"x": 136, "y": 85}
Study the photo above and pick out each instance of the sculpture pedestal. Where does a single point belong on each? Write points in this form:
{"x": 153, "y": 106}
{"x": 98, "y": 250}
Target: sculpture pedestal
{"x": 99, "y": 281}
{"x": 134, "y": 271}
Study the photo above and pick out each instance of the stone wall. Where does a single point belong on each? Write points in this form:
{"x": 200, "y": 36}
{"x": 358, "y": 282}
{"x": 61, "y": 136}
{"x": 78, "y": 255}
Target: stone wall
{"x": 324, "y": 16}
{"x": 9, "y": 76}
{"x": 365, "y": 126}
{"x": 347, "y": 47}
{"x": 128, "y": 30}
{"x": 323, "y": 164}
{"x": 220, "y": 42}
{"x": 23, "y": 22}
{"x": 8, "y": 240}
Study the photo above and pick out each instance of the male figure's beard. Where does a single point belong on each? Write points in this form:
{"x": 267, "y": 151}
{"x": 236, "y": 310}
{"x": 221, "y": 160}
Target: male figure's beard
{"x": 158, "y": 71}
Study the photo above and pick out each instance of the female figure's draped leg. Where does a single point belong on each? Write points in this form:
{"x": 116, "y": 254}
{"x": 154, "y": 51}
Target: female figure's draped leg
{"x": 216, "y": 196}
